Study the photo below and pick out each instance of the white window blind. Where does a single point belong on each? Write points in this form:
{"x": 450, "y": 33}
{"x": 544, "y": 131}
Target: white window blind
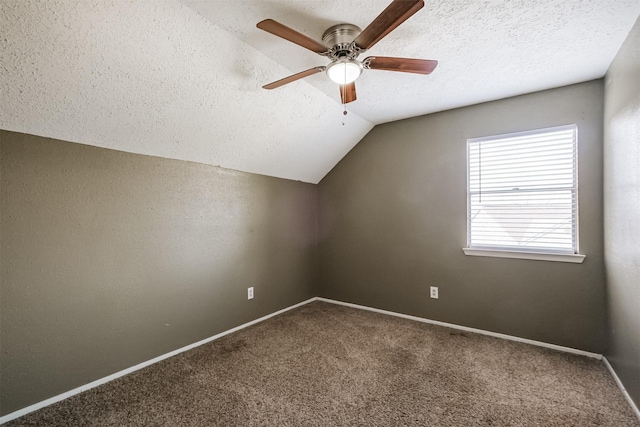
{"x": 522, "y": 191}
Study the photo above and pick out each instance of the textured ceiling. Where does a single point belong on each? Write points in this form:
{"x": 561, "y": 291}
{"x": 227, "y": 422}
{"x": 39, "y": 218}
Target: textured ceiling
{"x": 183, "y": 79}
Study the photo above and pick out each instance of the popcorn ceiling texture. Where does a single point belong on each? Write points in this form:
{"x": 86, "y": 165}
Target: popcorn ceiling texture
{"x": 487, "y": 50}
{"x": 183, "y": 79}
{"x": 153, "y": 77}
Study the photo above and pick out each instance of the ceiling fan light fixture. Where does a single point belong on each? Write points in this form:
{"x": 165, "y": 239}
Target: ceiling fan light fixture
{"x": 343, "y": 43}
{"x": 344, "y": 71}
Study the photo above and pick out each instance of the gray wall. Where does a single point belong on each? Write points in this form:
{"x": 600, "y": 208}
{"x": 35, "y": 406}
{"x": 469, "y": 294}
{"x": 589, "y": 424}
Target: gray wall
{"x": 393, "y": 223}
{"x": 109, "y": 259}
{"x": 622, "y": 211}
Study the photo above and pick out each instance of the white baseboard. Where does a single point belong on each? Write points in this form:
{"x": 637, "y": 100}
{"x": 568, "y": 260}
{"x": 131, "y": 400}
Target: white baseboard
{"x": 54, "y": 399}
{"x": 24, "y": 411}
{"x": 497, "y": 335}
{"x": 468, "y": 329}
{"x": 622, "y": 388}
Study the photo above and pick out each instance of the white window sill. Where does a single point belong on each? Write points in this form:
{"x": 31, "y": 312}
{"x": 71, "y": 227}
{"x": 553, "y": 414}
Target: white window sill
{"x": 575, "y": 258}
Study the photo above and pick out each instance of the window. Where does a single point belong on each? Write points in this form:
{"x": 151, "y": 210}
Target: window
{"x": 522, "y": 195}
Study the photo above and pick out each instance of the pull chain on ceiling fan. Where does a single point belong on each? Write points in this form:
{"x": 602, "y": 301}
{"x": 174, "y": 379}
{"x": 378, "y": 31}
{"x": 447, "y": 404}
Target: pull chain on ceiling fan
{"x": 343, "y": 43}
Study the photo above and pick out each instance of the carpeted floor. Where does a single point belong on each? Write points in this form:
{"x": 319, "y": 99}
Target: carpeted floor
{"x": 329, "y": 365}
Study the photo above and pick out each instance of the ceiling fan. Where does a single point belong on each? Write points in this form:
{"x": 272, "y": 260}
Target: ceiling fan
{"x": 343, "y": 43}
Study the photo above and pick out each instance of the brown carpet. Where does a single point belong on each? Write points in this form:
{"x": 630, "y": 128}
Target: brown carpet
{"x": 328, "y": 365}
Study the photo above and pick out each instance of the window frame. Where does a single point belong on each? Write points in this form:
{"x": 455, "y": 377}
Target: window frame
{"x": 524, "y": 253}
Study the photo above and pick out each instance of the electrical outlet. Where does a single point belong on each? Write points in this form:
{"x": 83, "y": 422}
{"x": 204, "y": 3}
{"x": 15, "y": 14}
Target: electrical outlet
{"x": 250, "y": 293}
{"x": 434, "y": 292}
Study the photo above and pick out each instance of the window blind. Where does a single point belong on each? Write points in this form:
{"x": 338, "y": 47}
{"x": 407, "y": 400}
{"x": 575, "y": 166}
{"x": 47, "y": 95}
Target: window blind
{"x": 522, "y": 191}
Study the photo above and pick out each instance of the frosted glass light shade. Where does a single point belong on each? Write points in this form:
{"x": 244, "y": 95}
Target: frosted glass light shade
{"x": 344, "y": 71}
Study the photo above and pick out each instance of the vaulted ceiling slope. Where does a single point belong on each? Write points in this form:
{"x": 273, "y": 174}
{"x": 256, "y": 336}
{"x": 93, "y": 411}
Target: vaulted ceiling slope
{"x": 182, "y": 79}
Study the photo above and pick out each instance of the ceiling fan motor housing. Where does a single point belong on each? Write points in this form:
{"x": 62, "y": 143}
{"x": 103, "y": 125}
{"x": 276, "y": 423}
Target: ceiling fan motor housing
{"x": 339, "y": 40}
{"x": 343, "y": 43}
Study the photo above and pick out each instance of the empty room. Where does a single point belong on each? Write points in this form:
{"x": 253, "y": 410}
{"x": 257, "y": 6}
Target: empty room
{"x": 319, "y": 213}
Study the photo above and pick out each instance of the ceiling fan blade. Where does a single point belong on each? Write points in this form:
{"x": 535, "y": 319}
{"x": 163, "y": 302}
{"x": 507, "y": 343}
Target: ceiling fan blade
{"x": 294, "y": 77}
{"x": 406, "y": 65}
{"x": 348, "y": 93}
{"x": 395, "y": 14}
{"x": 277, "y": 29}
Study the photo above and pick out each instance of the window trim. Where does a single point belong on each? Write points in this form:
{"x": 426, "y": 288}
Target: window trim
{"x": 537, "y": 256}
{"x": 506, "y": 252}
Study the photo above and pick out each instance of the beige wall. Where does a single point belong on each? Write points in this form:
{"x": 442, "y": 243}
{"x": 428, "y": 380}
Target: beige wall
{"x": 393, "y": 223}
{"x": 110, "y": 259}
{"x": 622, "y": 211}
